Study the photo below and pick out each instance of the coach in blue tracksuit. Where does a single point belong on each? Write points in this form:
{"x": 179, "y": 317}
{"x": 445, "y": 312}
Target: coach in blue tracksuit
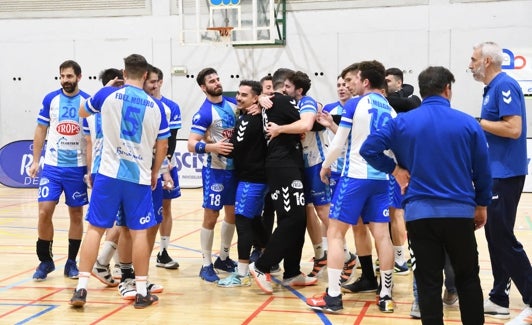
{"x": 443, "y": 167}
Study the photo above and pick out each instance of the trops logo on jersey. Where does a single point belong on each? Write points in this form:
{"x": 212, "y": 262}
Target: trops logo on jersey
{"x": 68, "y": 128}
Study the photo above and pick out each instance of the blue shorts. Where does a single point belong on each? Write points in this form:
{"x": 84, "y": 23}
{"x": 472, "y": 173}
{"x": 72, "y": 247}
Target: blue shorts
{"x": 395, "y": 197}
{"x": 219, "y": 188}
{"x": 134, "y": 201}
{"x": 56, "y": 180}
{"x": 157, "y": 196}
{"x": 316, "y": 191}
{"x": 360, "y": 197}
{"x": 250, "y": 199}
{"x": 176, "y": 192}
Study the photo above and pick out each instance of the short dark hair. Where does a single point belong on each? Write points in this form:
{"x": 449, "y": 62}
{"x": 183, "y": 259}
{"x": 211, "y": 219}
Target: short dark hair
{"x": 153, "y": 69}
{"x": 136, "y": 66}
{"x": 279, "y": 76}
{"x": 266, "y": 77}
{"x": 256, "y": 87}
{"x": 350, "y": 68}
{"x": 300, "y": 80}
{"x": 200, "y": 78}
{"x": 71, "y": 64}
{"x": 373, "y": 71}
{"x": 109, "y": 74}
{"x": 394, "y": 72}
{"x": 433, "y": 81}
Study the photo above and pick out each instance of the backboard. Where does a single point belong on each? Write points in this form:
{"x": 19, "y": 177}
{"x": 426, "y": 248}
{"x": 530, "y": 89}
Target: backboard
{"x": 253, "y": 22}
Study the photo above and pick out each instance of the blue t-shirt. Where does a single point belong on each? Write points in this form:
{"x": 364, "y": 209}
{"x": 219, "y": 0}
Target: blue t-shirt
{"x": 503, "y": 97}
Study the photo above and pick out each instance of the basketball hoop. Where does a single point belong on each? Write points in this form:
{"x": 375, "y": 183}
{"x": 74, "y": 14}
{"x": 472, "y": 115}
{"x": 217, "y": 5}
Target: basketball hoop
{"x": 224, "y": 33}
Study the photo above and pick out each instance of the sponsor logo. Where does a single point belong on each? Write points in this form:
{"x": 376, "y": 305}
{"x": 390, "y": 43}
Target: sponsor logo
{"x": 68, "y": 128}
{"x": 144, "y": 220}
{"x": 44, "y": 181}
{"x": 297, "y": 184}
{"x": 217, "y": 187}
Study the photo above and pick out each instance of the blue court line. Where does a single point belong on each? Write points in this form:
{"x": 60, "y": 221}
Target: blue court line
{"x": 24, "y": 321}
{"x": 296, "y": 293}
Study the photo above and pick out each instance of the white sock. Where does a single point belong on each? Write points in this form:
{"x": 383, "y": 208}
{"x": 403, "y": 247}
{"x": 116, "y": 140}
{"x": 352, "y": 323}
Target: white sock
{"x": 334, "y": 282}
{"x": 140, "y": 282}
{"x": 399, "y": 255}
{"x": 243, "y": 269}
{"x": 386, "y": 283}
{"x": 107, "y": 252}
{"x": 325, "y": 243}
{"x": 228, "y": 230}
{"x": 165, "y": 240}
{"x": 116, "y": 258}
{"x": 206, "y": 238}
{"x": 318, "y": 250}
{"x": 83, "y": 280}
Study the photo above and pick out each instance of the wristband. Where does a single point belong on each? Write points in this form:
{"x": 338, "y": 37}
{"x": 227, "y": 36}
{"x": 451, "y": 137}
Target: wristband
{"x": 478, "y": 119}
{"x": 200, "y": 147}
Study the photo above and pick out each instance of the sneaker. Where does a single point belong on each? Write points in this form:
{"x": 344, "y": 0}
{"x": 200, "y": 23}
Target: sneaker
{"x": 319, "y": 264}
{"x": 208, "y": 273}
{"x": 127, "y": 289}
{"x": 103, "y": 273}
{"x": 409, "y": 262}
{"x": 401, "y": 269}
{"x": 414, "y": 311}
{"x": 324, "y": 302}
{"x": 235, "y": 280}
{"x": 385, "y": 304}
{"x": 164, "y": 260}
{"x": 300, "y": 280}
{"x": 275, "y": 268}
{"x": 361, "y": 285}
{"x": 263, "y": 280}
{"x": 524, "y": 318}
{"x": 227, "y": 265}
{"x": 79, "y": 298}
{"x": 117, "y": 272}
{"x": 41, "y": 272}
{"x": 493, "y": 310}
{"x": 347, "y": 272}
{"x": 71, "y": 269}
{"x": 154, "y": 288}
{"x": 145, "y": 301}
{"x": 255, "y": 254}
{"x": 449, "y": 298}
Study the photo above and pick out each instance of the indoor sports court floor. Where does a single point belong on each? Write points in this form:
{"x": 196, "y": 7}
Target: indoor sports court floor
{"x": 186, "y": 298}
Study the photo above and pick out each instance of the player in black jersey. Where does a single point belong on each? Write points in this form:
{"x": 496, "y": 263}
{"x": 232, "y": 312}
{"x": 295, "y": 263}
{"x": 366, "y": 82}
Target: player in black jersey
{"x": 284, "y": 172}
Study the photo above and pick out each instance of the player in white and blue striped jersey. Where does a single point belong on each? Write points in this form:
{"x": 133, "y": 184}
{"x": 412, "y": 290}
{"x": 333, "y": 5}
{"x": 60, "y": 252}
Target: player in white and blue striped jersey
{"x": 63, "y": 169}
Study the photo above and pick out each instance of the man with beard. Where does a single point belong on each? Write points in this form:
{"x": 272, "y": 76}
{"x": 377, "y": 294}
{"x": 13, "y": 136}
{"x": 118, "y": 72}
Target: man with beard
{"x": 503, "y": 119}
{"x": 214, "y": 122}
{"x": 63, "y": 170}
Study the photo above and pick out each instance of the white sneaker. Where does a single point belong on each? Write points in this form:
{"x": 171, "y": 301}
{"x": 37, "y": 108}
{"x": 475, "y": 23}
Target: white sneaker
{"x": 493, "y": 310}
{"x": 263, "y": 280}
{"x": 128, "y": 289}
{"x": 524, "y": 318}
{"x": 103, "y": 273}
{"x": 300, "y": 281}
{"x": 117, "y": 272}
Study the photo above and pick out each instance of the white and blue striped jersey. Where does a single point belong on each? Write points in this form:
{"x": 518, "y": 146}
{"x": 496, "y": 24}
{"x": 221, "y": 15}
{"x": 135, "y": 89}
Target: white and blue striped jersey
{"x": 132, "y": 121}
{"x": 335, "y": 109}
{"x": 218, "y": 120}
{"x": 314, "y": 141}
{"x": 92, "y": 126}
{"x": 363, "y": 115}
{"x": 65, "y": 146}
{"x": 173, "y": 113}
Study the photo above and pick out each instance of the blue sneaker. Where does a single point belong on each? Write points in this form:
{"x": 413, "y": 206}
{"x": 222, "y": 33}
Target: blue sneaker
{"x": 71, "y": 269}
{"x": 227, "y": 265}
{"x": 207, "y": 273}
{"x": 41, "y": 272}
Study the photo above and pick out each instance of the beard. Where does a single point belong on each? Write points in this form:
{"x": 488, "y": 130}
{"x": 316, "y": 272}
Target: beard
{"x": 69, "y": 87}
{"x": 215, "y": 92}
{"x": 479, "y": 73}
